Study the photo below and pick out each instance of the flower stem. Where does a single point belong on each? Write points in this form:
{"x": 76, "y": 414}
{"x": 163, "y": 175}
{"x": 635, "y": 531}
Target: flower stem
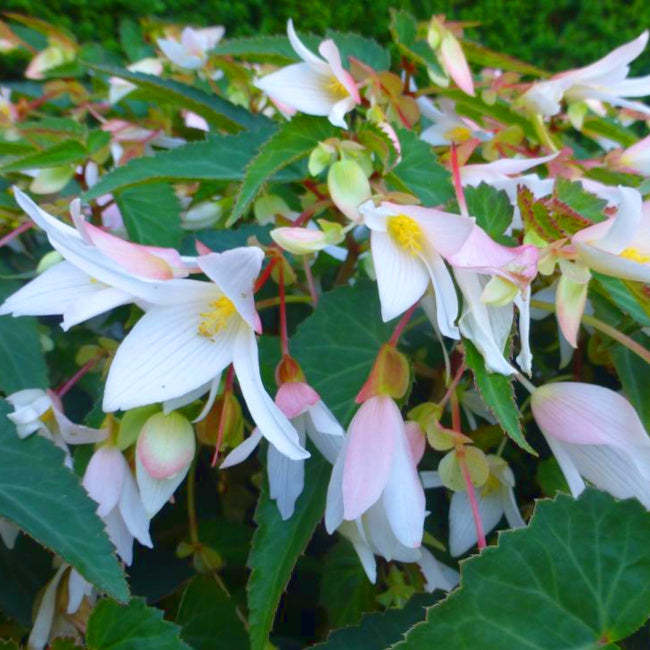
{"x": 274, "y": 302}
{"x": 458, "y": 183}
{"x": 24, "y": 227}
{"x": 403, "y": 322}
{"x": 68, "y": 384}
{"x": 284, "y": 336}
{"x": 310, "y": 281}
{"x": 191, "y": 505}
{"x": 603, "y": 327}
{"x": 543, "y": 133}
{"x": 452, "y": 387}
{"x": 265, "y": 274}
{"x": 230, "y": 377}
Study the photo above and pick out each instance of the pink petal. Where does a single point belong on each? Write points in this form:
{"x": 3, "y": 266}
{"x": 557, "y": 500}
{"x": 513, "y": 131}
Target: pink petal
{"x": 417, "y": 441}
{"x": 295, "y": 398}
{"x": 455, "y": 63}
{"x": 369, "y": 454}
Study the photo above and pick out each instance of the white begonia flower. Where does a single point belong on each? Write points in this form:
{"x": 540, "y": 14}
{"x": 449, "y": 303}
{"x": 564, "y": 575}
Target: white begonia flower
{"x": 408, "y": 244}
{"x": 192, "y": 331}
{"x": 448, "y": 127}
{"x": 100, "y": 271}
{"x": 41, "y": 412}
{"x": 605, "y": 80}
{"x": 109, "y": 482}
{"x": 316, "y": 86}
{"x": 119, "y": 88}
{"x": 191, "y": 52}
{"x": 495, "y": 499}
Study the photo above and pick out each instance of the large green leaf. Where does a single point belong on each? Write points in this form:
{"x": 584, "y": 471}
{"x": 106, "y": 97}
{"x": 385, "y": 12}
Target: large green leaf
{"x": 219, "y": 158}
{"x": 578, "y": 578}
{"x": 381, "y": 629}
{"x": 277, "y": 545}
{"x": 419, "y": 173}
{"x": 577, "y": 198}
{"x": 294, "y": 141}
{"x": 337, "y": 345}
{"x": 208, "y": 617}
{"x": 497, "y": 393}
{"x": 404, "y": 30}
{"x": 133, "y": 626}
{"x": 63, "y": 153}
{"x": 44, "y": 498}
{"x": 22, "y": 364}
{"x": 217, "y": 111}
{"x": 151, "y": 214}
{"x": 630, "y": 297}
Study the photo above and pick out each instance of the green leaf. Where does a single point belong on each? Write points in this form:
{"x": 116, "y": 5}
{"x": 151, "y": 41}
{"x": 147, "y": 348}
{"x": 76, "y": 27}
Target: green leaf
{"x": 419, "y": 173}
{"x": 607, "y": 128}
{"x": 337, "y": 345}
{"x": 219, "y": 158}
{"x": 151, "y": 214}
{"x": 15, "y": 148}
{"x": 8, "y": 645}
{"x": 577, "y": 198}
{"x": 217, "y": 111}
{"x": 22, "y": 364}
{"x": 208, "y": 617}
{"x": 536, "y": 216}
{"x": 491, "y": 207}
{"x": 379, "y": 630}
{"x": 365, "y": 49}
{"x": 58, "y": 155}
{"x": 343, "y": 573}
{"x": 294, "y": 141}
{"x": 634, "y": 374}
{"x": 53, "y": 508}
{"x": 497, "y": 392}
{"x": 578, "y": 578}
{"x": 628, "y": 296}
{"x": 277, "y": 545}
{"x": 226, "y": 238}
{"x": 133, "y": 626}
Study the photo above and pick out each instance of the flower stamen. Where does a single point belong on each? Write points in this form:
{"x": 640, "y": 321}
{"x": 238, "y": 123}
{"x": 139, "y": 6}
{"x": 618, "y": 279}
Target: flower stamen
{"x": 406, "y": 233}
{"x": 216, "y": 318}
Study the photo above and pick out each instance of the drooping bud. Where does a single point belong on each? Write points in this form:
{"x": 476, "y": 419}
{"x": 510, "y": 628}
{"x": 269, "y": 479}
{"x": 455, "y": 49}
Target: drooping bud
{"x": 48, "y": 261}
{"x": 132, "y": 424}
{"x": 300, "y": 241}
{"x": 51, "y": 57}
{"x": 226, "y": 410}
{"x": 390, "y": 375}
{"x": 268, "y": 206}
{"x": 349, "y": 187}
{"x": 321, "y": 158}
{"x": 288, "y": 370}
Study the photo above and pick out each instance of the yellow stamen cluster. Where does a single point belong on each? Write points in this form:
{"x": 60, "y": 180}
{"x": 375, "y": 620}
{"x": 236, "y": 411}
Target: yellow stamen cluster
{"x": 635, "y": 255}
{"x": 458, "y": 134}
{"x": 406, "y": 233}
{"x": 336, "y": 88}
{"x": 216, "y": 319}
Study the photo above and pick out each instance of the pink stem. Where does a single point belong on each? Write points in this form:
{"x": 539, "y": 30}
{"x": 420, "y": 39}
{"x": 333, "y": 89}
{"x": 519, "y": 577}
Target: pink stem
{"x": 67, "y": 385}
{"x": 310, "y": 281}
{"x": 471, "y": 494}
{"x": 399, "y": 328}
{"x": 24, "y": 227}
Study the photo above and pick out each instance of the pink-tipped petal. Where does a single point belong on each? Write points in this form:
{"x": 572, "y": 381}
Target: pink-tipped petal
{"x": 105, "y": 477}
{"x": 455, "y": 63}
{"x": 295, "y": 398}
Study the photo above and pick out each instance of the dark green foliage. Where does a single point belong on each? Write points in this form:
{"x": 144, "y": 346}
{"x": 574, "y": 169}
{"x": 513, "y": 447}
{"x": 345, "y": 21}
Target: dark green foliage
{"x": 553, "y": 35}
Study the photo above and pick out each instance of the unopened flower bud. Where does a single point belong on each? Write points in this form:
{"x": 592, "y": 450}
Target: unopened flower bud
{"x": 390, "y": 376}
{"x": 288, "y": 370}
{"x": 227, "y": 412}
{"x": 349, "y": 187}
{"x": 268, "y": 206}
{"x": 321, "y": 158}
{"x": 300, "y": 241}
{"x": 451, "y": 473}
{"x": 48, "y": 261}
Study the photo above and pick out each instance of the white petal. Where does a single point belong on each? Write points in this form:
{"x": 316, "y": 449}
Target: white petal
{"x": 339, "y": 110}
{"x": 402, "y": 278}
{"x": 302, "y": 88}
{"x": 511, "y": 509}
{"x": 93, "y": 304}
{"x": 78, "y": 587}
{"x": 132, "y": 512}
{"x": 212, "y": 396}
{"x": 40, "y": 634}
{"x": 366, "y": 556}
{"x": 430, "y": 479}
{"x": 525, "y": 357}
{"x": 235, "y": 272}
{"x": 334, "y": 503}
{"x": 164, "y": 356}
{"x": 403, "y": 496}
{"x": 304, "y": 52}
{"x": 561, "y": 452}
{"x": 286, "y": 480}
{"x": 445, "y": 294}
{"x": 119, "y": 535}
{"x": 273, "y": 424}
{"x": 625, "y": 224}
{"x": 324, "y": 421}
{"x": 241, "y": 452}
{"x": 104, "y": 478}
{"x": 77, "y": 434}
{"x": 155, "y": 493}
{"x": 436, "y": 574}
{"x": 328, "y": 444}
{"x": 462, "y": 530}
{"x": 177, "y": 403}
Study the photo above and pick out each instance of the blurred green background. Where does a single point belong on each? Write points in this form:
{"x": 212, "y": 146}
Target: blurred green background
{"x": 553, "y": 35}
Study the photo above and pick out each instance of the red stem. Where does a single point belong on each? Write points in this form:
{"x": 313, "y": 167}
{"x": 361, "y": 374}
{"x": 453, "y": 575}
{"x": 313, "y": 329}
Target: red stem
{"x": 24, "y": 227}
{"x": 452, "y": 387}
{"x": 230, "y": 377}
{"x": 399, "y": 328}
{"x": 310, "y": 281}
{"x": 266, "y": 274}
{"x": 458, "y": 184}
{"x": 67, "y": 385}
{"x": 284, "y": 337}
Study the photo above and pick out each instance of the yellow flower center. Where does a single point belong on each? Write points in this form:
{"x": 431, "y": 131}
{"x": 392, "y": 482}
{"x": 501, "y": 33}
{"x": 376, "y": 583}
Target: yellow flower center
{"x": 458, "y": 134}
{"x": 635, "y": 255}
{"x": 490, "y": 486}
{"x": 406, "y": 233}
{"x": 216, "y": 318}
{"x": 334, "y": 86}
